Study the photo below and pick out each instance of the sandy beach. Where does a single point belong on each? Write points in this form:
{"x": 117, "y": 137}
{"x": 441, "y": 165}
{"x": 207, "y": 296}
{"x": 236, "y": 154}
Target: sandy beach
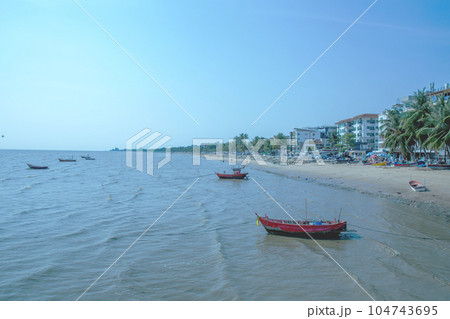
{"x": 389, "y": 182}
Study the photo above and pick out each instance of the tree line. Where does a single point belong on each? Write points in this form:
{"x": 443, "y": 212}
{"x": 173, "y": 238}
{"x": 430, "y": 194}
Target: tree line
{"x": 422, "y": 128}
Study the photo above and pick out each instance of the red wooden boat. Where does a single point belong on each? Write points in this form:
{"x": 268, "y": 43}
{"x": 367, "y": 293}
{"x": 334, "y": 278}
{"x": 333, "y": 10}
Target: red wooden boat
{"x": 66, "y": 160}
{"x": 417, "y": 187}
{"x": 317, "y": 229}
{"x": 404, "y": 165}
{"x": 37, "y": 167}
{"x": 237, "y": 174}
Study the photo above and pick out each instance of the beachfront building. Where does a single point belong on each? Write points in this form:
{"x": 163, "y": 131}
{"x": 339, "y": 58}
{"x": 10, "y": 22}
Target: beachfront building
{"x": 365, "y": 128}
{"x": 436, "y": 93}
{"x": 321, "y": 135}
{"x": 300, "y": 135}
{"x": 326, "y": 133}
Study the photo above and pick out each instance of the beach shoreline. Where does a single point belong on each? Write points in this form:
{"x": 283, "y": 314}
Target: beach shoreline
{"x": 389, "y": 182}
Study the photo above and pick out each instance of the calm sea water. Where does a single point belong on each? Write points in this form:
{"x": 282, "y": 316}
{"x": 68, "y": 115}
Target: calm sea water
{"x": 61, "y": 228}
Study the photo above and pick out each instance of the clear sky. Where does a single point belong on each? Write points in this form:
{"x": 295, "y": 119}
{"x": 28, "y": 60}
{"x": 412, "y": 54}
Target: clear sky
{"x": 65, "y": 84}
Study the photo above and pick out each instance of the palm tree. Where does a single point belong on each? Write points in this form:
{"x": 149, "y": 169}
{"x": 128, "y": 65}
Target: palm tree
{"x": 437, "y": 128}
{"x": 240, "y": 147}
{"x": 395, "y": 136}
{"x": 415, "y": 120}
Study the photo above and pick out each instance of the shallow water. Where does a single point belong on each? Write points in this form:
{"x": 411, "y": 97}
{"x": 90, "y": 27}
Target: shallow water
{"x": 61, "y": 228}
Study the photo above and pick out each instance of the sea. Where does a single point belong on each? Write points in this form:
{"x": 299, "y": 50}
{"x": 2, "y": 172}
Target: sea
{"x": 99, "y": 230}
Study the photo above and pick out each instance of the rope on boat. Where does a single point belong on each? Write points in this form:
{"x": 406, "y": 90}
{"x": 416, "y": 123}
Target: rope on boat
{"x": 389, "y": 233}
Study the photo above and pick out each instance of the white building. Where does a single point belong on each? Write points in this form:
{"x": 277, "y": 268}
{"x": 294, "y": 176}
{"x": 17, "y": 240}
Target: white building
{"x": 326, "y": 132}
{"x": 300, "y": 135}
{"x": 365, "y": 128}
{"x": 320, "y": 134}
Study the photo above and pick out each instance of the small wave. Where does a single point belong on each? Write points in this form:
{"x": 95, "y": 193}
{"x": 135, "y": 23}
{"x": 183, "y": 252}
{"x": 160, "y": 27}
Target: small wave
{"x": 391, "y": 251}
{"x": 134, "y": 196}
{"x": 26, "y": 187}
{"x": 39, "y": 274}
{"x": 110, "y": 183}
{"x": 441, "y": 281}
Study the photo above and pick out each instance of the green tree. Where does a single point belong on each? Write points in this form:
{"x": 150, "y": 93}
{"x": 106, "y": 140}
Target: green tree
{"x": 394, "y": 134}
{"x": 415, "y": 120}
{"x": 437, "y": 126}
{"x": 347, "y": 141}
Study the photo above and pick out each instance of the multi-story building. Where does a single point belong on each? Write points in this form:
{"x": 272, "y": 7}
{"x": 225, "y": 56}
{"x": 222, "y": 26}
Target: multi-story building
{"x": 326, "y": 133}
{"x": 320, "y": 134}
{"x": 365, "y": 128}
{"x": 300, "y": 135}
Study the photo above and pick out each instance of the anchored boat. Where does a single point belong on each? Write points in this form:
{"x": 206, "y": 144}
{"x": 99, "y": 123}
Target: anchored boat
{"x": 379, "y": 164}
{"x": 237, "y": 174}
{"x": 37, "y": 167}
{"x": 439, "y": 166}
{"x": 87, "y": 157}
{"x": 303, "y": 228}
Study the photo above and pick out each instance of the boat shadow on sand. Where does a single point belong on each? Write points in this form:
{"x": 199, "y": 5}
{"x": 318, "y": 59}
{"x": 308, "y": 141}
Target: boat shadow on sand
{"x": 343, "y": 236}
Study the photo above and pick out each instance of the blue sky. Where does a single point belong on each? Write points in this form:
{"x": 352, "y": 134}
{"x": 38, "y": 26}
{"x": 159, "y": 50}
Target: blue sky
{"x": 66, "y": 85}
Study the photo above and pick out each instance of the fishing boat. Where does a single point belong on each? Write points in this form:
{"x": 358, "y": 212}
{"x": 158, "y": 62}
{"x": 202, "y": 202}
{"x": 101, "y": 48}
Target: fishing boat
{"x": 417, "y": 187}
{"x": 88, "y": 158}
{"x": 404, "y": 164}
{"x": 237, "y": 174}
{"x": 379, "y": 164}
{"x": 37, "y": 167}
{"x": 67, "y": 160}
{"x": 304, "y": 228}
{"x": 439, "y": 166}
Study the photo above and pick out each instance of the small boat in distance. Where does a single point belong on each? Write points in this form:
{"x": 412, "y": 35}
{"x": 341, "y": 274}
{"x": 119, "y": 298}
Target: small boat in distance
{"x": 403, "y": 164}
{"x": 439, "y": 166}
{"x": 379, "y": 164}
{"x": 236, "y": 174}
{"x": 417, "y": 187}
{"x": 67, "y": 160}
{"x": 304, "y": 228}
{"x": 87, "y": 157}
{"x": 36, "y": 167}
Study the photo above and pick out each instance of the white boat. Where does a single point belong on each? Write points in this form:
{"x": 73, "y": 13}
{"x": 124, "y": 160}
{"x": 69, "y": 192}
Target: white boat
{"x": 417, "y": 187}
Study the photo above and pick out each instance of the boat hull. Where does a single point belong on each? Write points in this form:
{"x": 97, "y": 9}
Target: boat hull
{"x": 440, "y": 166}
{"x": 303, "y": 230}
{"x": 66, "y": 160}
{"x": 232, "y": 176}
{"x": 379, "y": 164}
{"x": 37, "y": 167}
{"x": 417, "y": 187}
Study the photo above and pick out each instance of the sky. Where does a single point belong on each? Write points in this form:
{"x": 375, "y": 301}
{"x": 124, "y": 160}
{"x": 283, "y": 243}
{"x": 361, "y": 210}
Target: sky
{"x": 66, "y": 85}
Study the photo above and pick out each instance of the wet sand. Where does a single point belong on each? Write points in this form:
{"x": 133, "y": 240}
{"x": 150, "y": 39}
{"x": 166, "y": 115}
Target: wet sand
{"x": 389, "y": 182}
